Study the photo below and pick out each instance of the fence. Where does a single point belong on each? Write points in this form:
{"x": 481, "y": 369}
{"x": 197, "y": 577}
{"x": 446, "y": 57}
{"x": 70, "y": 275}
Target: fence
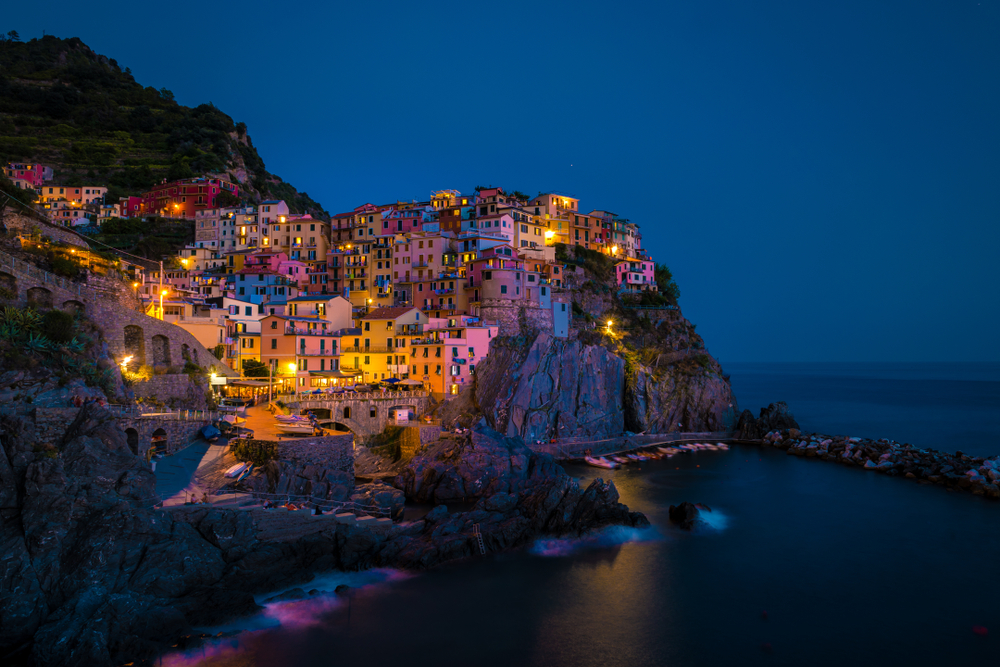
{"x": 389, "y": 394}
{"x": 143, "y": 412}
{"x": 575, "y": 448}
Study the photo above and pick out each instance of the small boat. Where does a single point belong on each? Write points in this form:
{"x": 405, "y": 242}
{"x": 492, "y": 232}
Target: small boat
{"x": 722, "y": 446}
{"x": 637, "y": 457}
{"x": 245, "y": 473}
{"x": 209, "y": 433}
{"x": 669, "y": 451}
{"x": 292, "y": 418}
{"x": 236, "y": 469}
{"x": 620, "y": 459}
{"x": 600, "y": 462}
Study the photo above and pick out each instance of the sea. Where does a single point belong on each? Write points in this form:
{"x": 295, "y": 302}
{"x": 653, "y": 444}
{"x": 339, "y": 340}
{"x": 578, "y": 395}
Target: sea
{"x": 800, "y": 561}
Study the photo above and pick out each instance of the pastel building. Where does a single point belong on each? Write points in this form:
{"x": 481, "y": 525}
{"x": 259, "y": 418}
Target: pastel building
{"x": 635, "y": 275}
{"x": 89, "y": 194}
{"x": 30, "y": 174}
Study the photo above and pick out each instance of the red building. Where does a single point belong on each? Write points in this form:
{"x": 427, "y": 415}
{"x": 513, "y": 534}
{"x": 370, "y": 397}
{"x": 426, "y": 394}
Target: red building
{"x": 32, "y": 173}
{"x": 182, "y": 199}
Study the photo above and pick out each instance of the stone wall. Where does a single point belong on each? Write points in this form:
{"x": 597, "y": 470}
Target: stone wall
{"x": 356, "y": 414}
{"x": 515, "y": 317}
{"x": 152, "y": 341}
{"x": 175, "y": 390}
{"x": 333, "y": 452}
{"x": 51, "y": 423}
{"x": 415, "y": 437}
{"x": 26, "y": 225}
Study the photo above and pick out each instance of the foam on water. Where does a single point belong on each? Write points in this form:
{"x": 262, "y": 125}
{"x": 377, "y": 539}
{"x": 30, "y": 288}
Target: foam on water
{"x": 715, "y": 520}
{"x": 291, "y": 614}
{"x": 609, "y": 537}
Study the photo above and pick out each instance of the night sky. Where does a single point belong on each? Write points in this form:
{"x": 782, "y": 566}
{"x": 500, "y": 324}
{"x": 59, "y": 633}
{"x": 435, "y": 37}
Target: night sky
{"x": 823, "y": 178}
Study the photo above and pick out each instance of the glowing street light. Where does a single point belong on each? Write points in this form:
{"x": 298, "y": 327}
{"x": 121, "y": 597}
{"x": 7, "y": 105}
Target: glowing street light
{"x": 163, "y": 293}
{"x": 609, "y": 326}
{"x": 125, "y": 362}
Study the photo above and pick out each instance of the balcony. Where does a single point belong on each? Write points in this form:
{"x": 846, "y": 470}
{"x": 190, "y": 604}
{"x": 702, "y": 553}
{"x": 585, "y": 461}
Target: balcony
{"x": 439, "y": 306}
{"x": 317, "y": 353}
{"x": 301, "y": 331}
{"x": 427, "y": 341}
{"x": 368, "y": 350}
{"x": 419, "y": 265}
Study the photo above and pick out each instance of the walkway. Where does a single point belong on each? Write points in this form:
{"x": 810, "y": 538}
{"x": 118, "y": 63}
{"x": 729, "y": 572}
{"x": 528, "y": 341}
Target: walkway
{"x": 176, "y": 474}
{"x": 576, "y": 448}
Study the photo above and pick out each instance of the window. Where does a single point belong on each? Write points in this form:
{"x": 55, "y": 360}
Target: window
{"x": 274, "y": 343}
{"x": 347, "y": 413}
{"x": 454, "y": 352}
{"x": 371, "y": 411}
{"x": 503, "y": 289}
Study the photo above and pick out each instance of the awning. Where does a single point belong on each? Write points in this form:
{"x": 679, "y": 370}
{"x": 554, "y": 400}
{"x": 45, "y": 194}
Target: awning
{"x": 247, "y": 383}
{"x": 335, "y": 374}
{"x": 412, "y": 383}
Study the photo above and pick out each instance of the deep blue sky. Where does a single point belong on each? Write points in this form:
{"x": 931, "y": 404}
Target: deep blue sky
{"x": 822, "y": 177}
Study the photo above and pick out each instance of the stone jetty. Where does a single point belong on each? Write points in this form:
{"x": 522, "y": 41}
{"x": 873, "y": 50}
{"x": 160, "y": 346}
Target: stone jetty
{"x": 958, "y": 471}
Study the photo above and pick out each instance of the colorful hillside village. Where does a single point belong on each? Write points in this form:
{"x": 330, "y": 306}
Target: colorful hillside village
{"x": 413, "y": 291}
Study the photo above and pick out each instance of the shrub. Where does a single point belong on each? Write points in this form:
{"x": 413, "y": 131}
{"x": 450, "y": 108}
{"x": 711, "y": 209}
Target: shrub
{"x": 57, "y": 326}
{"x": 257, "y": 452}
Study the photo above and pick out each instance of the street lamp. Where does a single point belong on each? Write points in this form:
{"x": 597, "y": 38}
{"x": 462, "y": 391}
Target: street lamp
{"x": 163, "y": 293}
{"x": 609, "y": 326}
{"x": 293, "y": 368}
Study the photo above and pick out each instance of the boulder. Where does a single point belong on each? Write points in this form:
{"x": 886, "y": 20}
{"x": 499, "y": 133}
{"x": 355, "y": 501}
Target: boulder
{"x": 684, "y": 515}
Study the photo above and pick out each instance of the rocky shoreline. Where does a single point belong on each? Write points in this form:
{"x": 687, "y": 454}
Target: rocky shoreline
{"x": 958, "y": 471}
{"x": 93, "y": 575}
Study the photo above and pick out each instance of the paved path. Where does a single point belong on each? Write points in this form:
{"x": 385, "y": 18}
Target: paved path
{"x": 175, "y": 474}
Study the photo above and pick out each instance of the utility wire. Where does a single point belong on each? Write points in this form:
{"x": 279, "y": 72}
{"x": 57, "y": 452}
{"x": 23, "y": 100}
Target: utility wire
{"x": 87, "y": 239}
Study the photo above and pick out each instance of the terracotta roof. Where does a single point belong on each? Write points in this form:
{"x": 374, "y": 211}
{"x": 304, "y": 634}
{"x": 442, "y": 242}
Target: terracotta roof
{"x": 389, "y": 313}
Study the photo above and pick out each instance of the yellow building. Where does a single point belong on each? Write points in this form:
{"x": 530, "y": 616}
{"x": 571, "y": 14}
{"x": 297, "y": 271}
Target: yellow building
{"x": 380, "y": 349}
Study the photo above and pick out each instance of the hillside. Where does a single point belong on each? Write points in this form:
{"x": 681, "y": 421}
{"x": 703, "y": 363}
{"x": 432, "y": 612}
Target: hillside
{"x": 62, "y": 104}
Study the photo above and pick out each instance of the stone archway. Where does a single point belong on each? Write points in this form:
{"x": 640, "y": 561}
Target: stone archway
{"x": 161, "y": 350}
{"x": 73, "y": 306}
{"x": 39, "y": 297}
{"x": 132, "y": 437}
{"x": 159, "y": 442}
{"x": 135, "y": 345}
{"x": 8, "y": 282}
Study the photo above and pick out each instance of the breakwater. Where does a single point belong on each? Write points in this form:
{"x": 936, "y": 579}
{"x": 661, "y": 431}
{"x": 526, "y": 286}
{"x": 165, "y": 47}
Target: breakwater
{"x": 958, "y": 471}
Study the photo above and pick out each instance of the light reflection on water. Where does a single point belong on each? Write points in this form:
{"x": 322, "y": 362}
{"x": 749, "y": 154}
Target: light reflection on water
{"x": 851, "y": 567}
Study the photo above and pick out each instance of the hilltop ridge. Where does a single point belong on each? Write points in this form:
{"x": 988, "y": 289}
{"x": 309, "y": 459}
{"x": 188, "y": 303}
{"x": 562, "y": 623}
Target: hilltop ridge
{"x": 65, "y": 105}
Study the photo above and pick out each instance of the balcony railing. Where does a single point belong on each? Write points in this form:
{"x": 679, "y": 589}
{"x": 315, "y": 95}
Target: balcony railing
{"x": 302, "y": 331}
{"x": 367, "y": 350}
{"x": 317, "y": 353}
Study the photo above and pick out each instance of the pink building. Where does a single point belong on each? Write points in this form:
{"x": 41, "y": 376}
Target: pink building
{"x": 497, "y": 274}
{"x": 297, "y": 272}
{"x": 635, "y": 275}
{"x": 401, "y": 222}
{"x": 34, "y": 174}
{"x": 264, "y": 262}
{"x": 466, "y": 343}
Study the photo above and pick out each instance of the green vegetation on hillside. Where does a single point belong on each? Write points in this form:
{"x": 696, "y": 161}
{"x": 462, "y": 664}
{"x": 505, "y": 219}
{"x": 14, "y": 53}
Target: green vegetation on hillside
{"x": 63, "y": 105}
{"x": 151, "y": 239}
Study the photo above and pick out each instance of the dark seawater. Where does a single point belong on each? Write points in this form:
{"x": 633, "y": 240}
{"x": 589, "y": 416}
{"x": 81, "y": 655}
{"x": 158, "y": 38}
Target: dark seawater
{"x": 852, "y": 567}
{"x": 945, "y": 406}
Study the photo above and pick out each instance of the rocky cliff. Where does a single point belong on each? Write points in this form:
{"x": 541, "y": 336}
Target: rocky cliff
{"x": 588, "y": 387}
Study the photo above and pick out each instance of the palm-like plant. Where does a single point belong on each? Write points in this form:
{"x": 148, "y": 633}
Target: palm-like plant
{"x": 38, "y": 343}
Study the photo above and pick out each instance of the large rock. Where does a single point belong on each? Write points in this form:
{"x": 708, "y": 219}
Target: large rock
{"x": 564, "y": 388}
{"x": 776, "y": 417}
{"x": 527, "y": 493}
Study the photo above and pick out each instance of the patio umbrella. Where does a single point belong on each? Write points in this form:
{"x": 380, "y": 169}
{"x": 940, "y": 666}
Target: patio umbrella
{"x": 411, "y": 383}
{"x": 391, "y": 380}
